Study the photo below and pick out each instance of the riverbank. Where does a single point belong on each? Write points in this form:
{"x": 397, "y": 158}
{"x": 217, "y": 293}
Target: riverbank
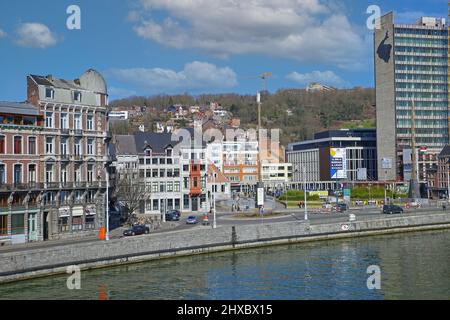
{"x": 15, "y": 266}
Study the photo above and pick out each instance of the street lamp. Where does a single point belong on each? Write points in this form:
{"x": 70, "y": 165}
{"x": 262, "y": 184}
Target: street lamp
{"x": 213, "y": 197}
{"x": 304, "y": 183}
{"x": 107, "y": 202}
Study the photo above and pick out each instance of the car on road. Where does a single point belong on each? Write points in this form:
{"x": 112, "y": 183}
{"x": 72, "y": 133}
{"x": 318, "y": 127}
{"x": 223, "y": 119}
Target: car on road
{"x": 205, "y": 220}
{"x": 136, "y": 230}
{"x": 192, "y": 220}
{"x": 341, "y": 207}
{"x": 173, "y": 215}
{"x": 392, "y": 209}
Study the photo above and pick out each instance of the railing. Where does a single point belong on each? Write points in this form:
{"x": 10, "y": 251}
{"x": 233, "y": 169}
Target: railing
{"x": 65, "y": 157}
{"x": 65, "y": 132}
{"x": 77, "y": 157}
{"x": 77, "y": 132}
{"x": 21, "y": 186}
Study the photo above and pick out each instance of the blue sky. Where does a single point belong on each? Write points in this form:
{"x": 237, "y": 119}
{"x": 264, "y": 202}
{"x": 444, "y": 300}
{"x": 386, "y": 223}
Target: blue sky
{"x": 146, "y": 47}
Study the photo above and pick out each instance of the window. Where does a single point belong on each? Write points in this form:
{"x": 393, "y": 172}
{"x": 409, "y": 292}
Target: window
{"x": 169, "y": 186}
{"x": 32, "y": 145}
{"x": 63, "y": 224}
{"x": 64, "y": 123}
{"x": 49, "y": 93}
{"x": 77, "y": 96}
{"x": 77, "y": 147}
{"x": 90, "y": 122}
{"x": 17, "y": 145}
{"x": 64, "y": 174}
{"x": 77, "y": 174}
{"x": 18, "y": 224}
{"x": 90, "y": 222}
{"x": 2, "y": 145}
{"x": 3, "y": 225}
{"x": 32, "y": 173}
{"x": 64, "y": 146}
{"x": 186, "y": 202}
{"x": 17, "y": 173}
{"x": 49, "y": 173}
{"x": 49, "y": 119}
{"x": 49, "y": 145}
{"x": 77, "y": 121}
{"x": 2, "y": 174}
{"x": 90, "y": 146}
{"x": 77, "y": 223}
{"x": 90, "y": 172}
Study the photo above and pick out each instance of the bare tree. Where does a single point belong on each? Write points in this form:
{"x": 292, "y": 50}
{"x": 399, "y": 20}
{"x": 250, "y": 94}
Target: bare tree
{"x": 131, "y": 190}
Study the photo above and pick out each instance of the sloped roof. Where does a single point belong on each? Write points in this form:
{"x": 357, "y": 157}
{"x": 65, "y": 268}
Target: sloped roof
{"x": 91, "y": 80}
{"x": 158, "y": 142}
{"x": 445, "y": 151}
{"x": 18, "y": 108}
{"x": 219, "y": 176}
{"x": 125, "y": 145}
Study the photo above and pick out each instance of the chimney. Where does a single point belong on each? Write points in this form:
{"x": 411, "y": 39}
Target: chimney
{"x": 50, "y": 77}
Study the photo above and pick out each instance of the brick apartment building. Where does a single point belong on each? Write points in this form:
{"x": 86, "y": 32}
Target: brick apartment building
{"x": 53, "y": 153}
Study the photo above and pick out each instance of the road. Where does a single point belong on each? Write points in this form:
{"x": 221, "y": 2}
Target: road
{"x": 228, "y": 219}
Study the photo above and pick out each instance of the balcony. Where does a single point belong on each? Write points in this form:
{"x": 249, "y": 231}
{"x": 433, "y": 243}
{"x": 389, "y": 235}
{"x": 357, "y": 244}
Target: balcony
{"x": 21, "y": 187}
{"x": 77, "y": 132}
{"x": 52, "y": 185}
{"x": 79, "y": 184}
{"x": 65, "y": 157}
{"x": 65, "y": 132}
{"x": 77, "y": 157}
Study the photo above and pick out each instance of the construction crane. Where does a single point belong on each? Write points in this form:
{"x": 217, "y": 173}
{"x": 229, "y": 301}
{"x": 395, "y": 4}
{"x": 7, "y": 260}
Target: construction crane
{"x": 264, "y": 76}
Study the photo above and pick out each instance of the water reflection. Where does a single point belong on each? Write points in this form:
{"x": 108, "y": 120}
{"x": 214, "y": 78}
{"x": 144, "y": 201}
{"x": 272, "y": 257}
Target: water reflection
{"x": 413, "y": 266}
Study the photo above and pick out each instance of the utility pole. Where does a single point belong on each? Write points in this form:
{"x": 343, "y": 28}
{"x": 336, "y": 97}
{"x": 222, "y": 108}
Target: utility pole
{"x": 107, "y": 203}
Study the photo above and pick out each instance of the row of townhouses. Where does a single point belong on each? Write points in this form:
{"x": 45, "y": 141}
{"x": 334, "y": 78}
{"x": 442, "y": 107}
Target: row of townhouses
{"x": 53, "y": 155}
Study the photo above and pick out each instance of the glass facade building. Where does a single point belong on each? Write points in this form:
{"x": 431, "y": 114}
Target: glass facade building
{"x": 411, "y": 67}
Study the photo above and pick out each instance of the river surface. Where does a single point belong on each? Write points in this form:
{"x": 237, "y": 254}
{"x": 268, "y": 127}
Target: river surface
{"x": 412, "y": 265}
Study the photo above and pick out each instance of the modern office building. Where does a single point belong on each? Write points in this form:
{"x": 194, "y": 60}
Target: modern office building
{"x": 337, "y": 155}
{"x": 411, "y": 69}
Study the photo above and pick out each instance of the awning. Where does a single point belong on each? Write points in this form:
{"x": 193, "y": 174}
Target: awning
{"x": 64, "y": 212}
{"x": 77, "y": 211}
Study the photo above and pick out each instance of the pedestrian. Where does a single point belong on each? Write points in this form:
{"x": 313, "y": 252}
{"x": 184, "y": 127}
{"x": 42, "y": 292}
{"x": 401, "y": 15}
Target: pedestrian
{"x": 444, "y": 207}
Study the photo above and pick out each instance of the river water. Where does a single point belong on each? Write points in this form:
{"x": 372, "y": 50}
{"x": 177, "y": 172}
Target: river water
{"x": 412, "y": 265}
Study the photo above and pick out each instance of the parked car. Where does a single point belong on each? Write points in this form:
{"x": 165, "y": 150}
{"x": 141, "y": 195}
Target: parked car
{"x": 173, "y": 215}
{"x": 136, "y": 230}
{"x": 392, "y": 209}
{"x": 191, "y": 220}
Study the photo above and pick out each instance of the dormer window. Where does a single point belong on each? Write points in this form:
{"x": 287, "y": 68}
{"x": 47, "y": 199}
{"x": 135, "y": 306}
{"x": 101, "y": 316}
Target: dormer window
{"x": 148, "y": 152}
{"x": 169, "y": 152}
{"x": 49, "y": 93}
{"x": 77, "y": 96}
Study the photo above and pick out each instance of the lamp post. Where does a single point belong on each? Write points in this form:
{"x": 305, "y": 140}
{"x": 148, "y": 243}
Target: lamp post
{"x": 304, "y": 191}
{"x": 213, "y": 195}
{"x": 107, "y": 202}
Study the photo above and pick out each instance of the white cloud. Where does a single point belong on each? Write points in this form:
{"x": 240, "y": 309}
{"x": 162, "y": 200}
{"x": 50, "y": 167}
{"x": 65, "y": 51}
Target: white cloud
{"x": 117, "y": 93}
{"x": 194, "y": 77}
{"x": 35, "y": 35}
{"x": 2, "y": 34}
{"x": 323, "y": 77}
{"x": 305, "y": 30}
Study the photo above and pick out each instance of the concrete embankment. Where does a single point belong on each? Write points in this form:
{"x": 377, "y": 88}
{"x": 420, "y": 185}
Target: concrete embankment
{"x": 53, "y": 260}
